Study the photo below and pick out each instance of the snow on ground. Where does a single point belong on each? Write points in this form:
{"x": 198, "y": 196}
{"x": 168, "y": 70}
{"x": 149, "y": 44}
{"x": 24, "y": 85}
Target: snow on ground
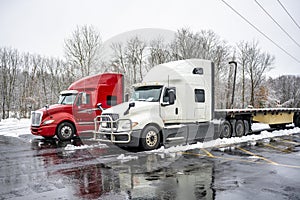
{"x": 17, "y": 128}
{"x": 228, "y": 141}
{"x": 14, "y": 127}
{"x": 71, "y": 147}
{"x": 124, "y": 158}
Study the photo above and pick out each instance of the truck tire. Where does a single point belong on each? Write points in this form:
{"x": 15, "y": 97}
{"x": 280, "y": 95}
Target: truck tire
{"x": 239, "y": 128}
{"x": 150, "y": 138}
{"x": 65, "y": 131}
{"x": 226, "y": 130}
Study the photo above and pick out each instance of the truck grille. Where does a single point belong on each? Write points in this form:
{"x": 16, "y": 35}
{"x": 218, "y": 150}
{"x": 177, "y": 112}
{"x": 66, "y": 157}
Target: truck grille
{"x": 114, "y": 118}
{"x": 36, "y": 118}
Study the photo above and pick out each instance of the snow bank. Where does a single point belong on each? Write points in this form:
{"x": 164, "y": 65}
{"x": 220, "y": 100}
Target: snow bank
{"x": 14, "y": 127}
{"x": 228, "y": 141}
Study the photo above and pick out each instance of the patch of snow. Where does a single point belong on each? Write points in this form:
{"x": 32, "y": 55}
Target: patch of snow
{"x": 227, "y": 141}
{"x": 124, "y": 158}
{"x": 14, "y": 127}
{"x": 71, "y": 147}
{"x": 259, "y": 126}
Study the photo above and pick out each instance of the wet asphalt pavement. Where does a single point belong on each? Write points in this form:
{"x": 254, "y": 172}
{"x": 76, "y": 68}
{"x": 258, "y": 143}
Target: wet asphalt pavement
{"x": 34, "y": 168}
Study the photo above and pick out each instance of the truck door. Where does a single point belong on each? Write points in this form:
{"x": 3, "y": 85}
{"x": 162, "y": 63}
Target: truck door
{"x": 83, "y": 111}
{"x": 169, "y": 110}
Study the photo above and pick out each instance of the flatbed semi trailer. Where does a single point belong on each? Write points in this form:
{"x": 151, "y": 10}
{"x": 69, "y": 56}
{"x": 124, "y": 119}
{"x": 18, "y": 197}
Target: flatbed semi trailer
{"x": 175, "y": 105}
{"x": 237, "y": 122}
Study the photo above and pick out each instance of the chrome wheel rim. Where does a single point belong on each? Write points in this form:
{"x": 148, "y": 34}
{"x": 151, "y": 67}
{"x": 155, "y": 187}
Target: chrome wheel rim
{"x": 66, "y": 131}
{"x": 151, "y": 138}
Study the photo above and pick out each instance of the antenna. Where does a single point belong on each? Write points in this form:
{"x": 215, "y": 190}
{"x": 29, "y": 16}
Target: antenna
{"x": 168, "y": 81}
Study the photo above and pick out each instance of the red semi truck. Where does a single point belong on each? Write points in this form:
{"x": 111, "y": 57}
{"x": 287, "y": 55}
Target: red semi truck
{"x": 78, "y": 106}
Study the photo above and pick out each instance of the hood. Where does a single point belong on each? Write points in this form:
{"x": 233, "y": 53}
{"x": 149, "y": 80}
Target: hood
{"x": 139, "y": 106}
{"x": 52, "y": 109}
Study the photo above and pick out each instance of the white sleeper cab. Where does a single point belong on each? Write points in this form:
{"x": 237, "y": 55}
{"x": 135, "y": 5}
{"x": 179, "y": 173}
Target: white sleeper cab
{"x": 175, "y": 105}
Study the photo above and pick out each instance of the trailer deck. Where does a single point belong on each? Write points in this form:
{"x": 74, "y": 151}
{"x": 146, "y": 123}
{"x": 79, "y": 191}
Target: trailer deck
{"x": 237, "y": 122}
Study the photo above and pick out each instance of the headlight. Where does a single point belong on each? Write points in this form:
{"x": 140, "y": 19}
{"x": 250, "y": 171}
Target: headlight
{"x": 48, "y": 121}
{"x": 103, "y": 124}
{"x": 126, "y": 125}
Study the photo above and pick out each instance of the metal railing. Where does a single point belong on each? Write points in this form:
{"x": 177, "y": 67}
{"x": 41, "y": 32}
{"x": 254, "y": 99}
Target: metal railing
{"x": 109, "y": 130}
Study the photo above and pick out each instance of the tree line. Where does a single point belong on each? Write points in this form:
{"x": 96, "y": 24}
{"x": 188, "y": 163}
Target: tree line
{"x": 30, "y": 81}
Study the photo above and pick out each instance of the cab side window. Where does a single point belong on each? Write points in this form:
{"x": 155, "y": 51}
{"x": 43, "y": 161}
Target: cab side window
{"x": 199, "y": 96}
{"x": 111, "y": 100}
{"x": 83, "y": 99}
{"x": 166, "y": 94}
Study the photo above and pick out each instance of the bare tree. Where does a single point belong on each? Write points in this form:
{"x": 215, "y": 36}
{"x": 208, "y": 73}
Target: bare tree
{"x": 255, "y": 63}
{"x": 82, "y": 49}
{"x": 118, "y": 61}
{"x": 10, "y": 63}
{"x": 135, "y": 50}
{"x": 159, "y": 52}
{"x": 130, "y": 59}
{"x": 242, "y": 61}
{"x": 285, "y": 90}
{"x": 205, "y": 45}
{"x": 4, "y": 71}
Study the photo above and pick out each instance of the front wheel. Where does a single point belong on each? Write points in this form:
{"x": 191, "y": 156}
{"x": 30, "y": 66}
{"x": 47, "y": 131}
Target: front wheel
{"x": 150, "y": 138}
{"x": 65, "y": 131}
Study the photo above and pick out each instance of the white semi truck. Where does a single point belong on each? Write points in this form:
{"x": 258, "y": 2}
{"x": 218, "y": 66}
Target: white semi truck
{"x": 175, "y": 105}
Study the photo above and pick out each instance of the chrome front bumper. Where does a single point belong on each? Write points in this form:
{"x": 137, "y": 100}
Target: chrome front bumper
{"x": 109, "y": 130}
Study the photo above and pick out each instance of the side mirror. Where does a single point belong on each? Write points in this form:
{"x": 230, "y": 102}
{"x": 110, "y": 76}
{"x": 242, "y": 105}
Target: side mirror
{"x": 171, "y": 95}
{"x": 131, "y": 105}
{"x": 99, "y": 105}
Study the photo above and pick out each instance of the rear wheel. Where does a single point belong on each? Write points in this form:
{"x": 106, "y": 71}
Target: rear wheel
{"x": 239, "y": 128}
{"x": 226, "y": 130}
{"x": 65, "y": 131}
{"x": 150, "y": 138}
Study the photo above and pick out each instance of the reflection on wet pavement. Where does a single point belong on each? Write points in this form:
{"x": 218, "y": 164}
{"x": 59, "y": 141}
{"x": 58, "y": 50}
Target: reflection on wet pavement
{"x": 50, "y": 169}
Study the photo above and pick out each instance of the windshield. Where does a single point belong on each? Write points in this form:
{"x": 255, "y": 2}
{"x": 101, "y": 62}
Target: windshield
{"x": 67, "y": 99}
{"x": 147, "y": 93}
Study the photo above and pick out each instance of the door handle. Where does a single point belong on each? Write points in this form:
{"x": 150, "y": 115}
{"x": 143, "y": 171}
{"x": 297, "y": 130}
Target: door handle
{"x": 176, "y": 111}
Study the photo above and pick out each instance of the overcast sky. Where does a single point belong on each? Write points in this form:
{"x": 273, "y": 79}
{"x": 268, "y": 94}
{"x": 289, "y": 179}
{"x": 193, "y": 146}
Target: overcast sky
{"x": 40, "y": 26}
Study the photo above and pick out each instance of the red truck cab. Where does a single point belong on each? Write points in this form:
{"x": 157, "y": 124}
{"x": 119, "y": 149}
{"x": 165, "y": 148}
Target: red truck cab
{"x": 77, "y": 107}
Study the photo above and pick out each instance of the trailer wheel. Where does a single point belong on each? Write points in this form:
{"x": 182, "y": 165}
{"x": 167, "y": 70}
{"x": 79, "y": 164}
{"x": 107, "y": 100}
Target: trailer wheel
{"x": 65, "y": 131}
{"x": 226, "y": 130}
{"x": 150, "y": 138}
{"x": 239, "y": 128}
